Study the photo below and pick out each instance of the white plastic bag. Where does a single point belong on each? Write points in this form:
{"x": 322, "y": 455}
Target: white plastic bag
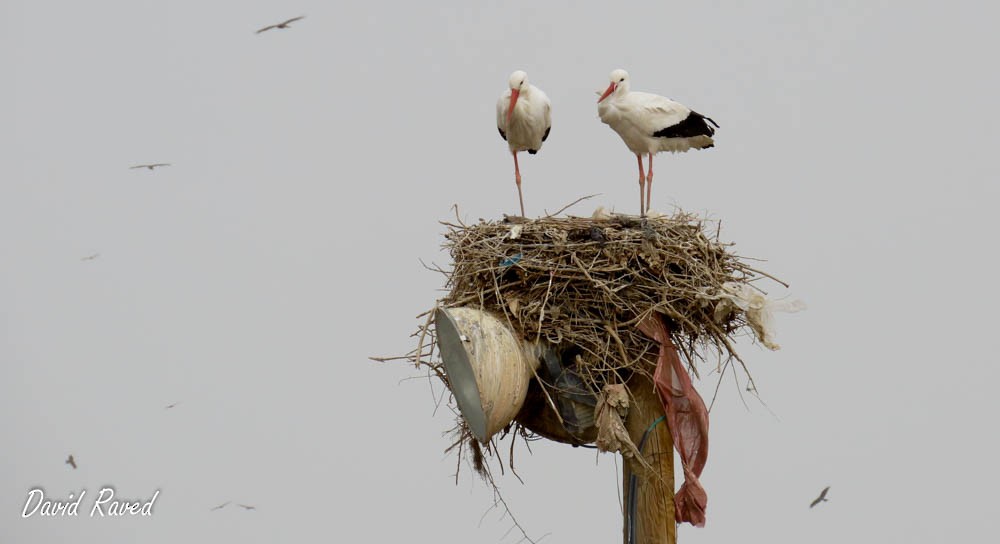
{"x": 758, "y": 309}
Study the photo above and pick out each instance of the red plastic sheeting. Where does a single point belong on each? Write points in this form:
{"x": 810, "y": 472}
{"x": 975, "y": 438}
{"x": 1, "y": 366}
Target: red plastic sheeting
{"x": 687, "y": 417}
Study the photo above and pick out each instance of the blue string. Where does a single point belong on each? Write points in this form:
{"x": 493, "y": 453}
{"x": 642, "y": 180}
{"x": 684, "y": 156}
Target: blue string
{"x": 656, "y": 422}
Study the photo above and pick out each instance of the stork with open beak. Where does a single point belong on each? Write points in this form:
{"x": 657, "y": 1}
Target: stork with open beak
{"x": 524, "y": 119}
{"x": 650, "y": 123}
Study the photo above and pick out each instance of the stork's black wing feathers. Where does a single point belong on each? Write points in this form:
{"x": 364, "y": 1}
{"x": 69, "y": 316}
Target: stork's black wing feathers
{"x": 544, "y": 136}
{"x": 502, "y": 135}
{"x": 692, "y": 125}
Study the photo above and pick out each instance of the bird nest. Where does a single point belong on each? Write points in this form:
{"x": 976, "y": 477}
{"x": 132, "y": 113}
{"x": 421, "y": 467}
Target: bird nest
{"x": 587, "y": 282}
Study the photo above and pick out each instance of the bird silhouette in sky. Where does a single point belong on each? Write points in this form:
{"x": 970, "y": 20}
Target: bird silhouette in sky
{"x": 90, "y": 257}
{"x": 247, "y": 507}
{"x": 169, "y": 406}
{"x": 223, "y": 505}
{"x": 71, "y": 462}
{"x": 149, "y": 166}
{"x": 281, "y": 25}
{"x": 821, "y": 497}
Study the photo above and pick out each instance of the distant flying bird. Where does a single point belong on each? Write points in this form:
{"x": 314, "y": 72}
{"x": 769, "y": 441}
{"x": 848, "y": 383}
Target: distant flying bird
{"x": 90, "y": 257}
{"x": 150, "y": 166}
{"x": 650, "y": 123}
{"x": 524, "y": 119}
{"x": 821, "y": 497}
{"x": 223, "y": 505}
{"x": 281, "y": 25}
{"x": 246, "y": 507}
{"x": 169, "y": 406}
{"x": 71, "y": 462}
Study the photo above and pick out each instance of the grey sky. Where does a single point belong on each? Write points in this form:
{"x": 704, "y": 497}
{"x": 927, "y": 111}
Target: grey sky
{"x": 250, "y": 280}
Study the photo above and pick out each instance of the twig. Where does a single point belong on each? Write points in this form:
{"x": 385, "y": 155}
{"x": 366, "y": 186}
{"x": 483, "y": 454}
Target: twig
{"x": 423, "y": 333}
{"x": 766, "y": 275}
{"x": 434, "y": 268}
{"x": 541, "y": 313}
{"x": 571, "y": 204}
{"x": 457, "y": 218}
{"x": 388, "y": 359}
{"x": 717, "y": 385}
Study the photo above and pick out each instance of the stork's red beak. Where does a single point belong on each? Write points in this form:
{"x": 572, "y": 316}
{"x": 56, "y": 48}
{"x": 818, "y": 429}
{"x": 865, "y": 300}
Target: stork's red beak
{"x": 514, "y": 93}
{"x": 611, "y": 89}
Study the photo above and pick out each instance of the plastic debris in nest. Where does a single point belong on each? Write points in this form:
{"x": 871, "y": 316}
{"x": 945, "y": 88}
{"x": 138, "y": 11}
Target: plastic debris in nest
{"x": 756, "y": 306}
{"x": 612, "y": 436}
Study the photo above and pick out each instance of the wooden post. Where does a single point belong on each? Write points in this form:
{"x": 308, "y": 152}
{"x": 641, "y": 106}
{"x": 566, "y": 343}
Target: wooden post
{"x": 654, "y": 490}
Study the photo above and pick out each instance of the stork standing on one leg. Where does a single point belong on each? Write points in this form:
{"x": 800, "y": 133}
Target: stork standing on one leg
{"x": 524, "y": 119}
{"x": 650, "y": 123}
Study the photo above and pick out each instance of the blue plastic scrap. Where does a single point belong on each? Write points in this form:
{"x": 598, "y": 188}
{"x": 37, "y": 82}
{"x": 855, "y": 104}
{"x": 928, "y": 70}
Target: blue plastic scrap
{"x": 510, "y": 261}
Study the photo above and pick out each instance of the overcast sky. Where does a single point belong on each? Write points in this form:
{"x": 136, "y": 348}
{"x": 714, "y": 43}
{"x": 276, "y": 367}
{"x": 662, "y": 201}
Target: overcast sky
{"x": 250, "y": 280}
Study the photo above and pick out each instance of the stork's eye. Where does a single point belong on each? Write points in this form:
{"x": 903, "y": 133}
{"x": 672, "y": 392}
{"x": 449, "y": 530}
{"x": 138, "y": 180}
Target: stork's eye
{"x": 522, "y": 82}
{"x": 621, "y": 80}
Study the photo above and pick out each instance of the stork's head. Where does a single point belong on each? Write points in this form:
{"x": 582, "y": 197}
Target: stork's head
{"x": 619, "y": 84}
{"x": 518, "y": 82}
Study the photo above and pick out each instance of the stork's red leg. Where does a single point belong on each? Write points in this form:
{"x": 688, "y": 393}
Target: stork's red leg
{"x": 642, "y": 184}
{"x": 517, "y": 179}
{"x": 649, "y": 183}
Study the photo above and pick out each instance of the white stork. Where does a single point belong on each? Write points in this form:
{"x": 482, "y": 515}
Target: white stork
{"x": 650, "y": 123}
{"x": 524, "y": 119}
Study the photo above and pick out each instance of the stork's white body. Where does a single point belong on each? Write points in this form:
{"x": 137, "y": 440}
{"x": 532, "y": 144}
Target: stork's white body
{"x": 637, "y": 116}
{"x": 529, "y": 122}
